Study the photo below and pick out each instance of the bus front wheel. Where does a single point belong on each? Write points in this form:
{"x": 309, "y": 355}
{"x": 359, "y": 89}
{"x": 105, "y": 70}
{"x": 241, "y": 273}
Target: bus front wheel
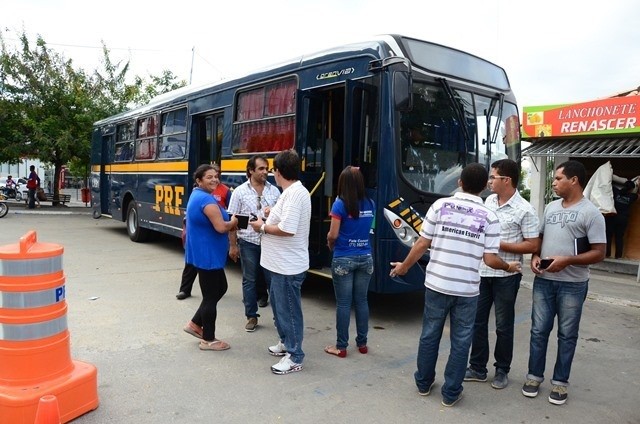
{"x": 136, "y": 233}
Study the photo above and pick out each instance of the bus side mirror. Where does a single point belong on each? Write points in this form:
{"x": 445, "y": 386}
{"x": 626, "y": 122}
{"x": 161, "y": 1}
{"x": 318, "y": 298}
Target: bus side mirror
{"x": 402, "y": 92}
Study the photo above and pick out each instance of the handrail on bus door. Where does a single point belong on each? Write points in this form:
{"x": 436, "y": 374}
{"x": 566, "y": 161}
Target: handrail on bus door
{"x": 317, "y": 184}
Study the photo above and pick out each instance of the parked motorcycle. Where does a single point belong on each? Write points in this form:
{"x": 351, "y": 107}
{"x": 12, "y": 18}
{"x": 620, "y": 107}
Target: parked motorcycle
{"x": 4, "y": 207}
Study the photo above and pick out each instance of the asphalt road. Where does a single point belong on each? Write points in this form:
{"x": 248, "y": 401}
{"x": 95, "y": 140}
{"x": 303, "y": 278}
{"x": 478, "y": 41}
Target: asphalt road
{"x": 125, "y": 320}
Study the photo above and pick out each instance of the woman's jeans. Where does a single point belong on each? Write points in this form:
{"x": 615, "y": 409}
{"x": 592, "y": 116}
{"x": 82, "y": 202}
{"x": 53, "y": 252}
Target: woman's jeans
{"x": 551, "y": 298}
{"x": 351, "y": 277}
{"x": 462, "y": 314}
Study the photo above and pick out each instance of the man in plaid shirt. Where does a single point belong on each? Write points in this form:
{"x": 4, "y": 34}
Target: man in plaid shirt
{"x": 519, "y": 231}
{"x": 255, "y": 196}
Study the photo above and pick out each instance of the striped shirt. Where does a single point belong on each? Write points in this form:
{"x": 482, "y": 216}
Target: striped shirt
{"x": 244, "y": 201}
{"x": 461, "y": 230}
{"x": 518, "y": 221}
{"x": 292, "y": 213}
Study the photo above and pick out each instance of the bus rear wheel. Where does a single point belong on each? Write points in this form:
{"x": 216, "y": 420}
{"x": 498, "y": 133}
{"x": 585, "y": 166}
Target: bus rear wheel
{"x": 136, "y": 233}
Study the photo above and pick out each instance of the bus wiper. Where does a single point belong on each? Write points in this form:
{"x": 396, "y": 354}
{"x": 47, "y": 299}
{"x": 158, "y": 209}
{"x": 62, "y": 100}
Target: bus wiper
{"x": 494, "y": 136}
{"x": 458, "y": 109}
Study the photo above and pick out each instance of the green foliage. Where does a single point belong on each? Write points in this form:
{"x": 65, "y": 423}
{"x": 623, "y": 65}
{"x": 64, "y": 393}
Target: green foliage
{"x": 524, "y": 191}
{"x": 48, "y": 106}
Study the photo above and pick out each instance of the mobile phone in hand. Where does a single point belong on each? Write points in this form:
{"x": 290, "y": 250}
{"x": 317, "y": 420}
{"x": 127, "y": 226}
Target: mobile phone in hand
{"x": 544, "y": 263}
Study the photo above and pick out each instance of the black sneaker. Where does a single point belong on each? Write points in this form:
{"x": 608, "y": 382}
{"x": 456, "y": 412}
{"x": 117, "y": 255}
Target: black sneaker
{"x": 530, "y": 388}
{"x": 426, "y": 392}
{"x": 263, "y": 302}
{"x": 473, "y": 375}
{"x": 500, "y": 381}
{"x": 449, "y": 403}
{"x": 558, "y": 395}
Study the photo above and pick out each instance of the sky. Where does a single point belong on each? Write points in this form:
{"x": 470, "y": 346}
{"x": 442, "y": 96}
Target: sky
{"x": 554, "y": 51}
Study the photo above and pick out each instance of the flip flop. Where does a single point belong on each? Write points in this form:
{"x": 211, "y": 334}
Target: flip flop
{"x": 216, "y": 345}
{"x": 332, "y": 350}
{"x": 193, "y": 329}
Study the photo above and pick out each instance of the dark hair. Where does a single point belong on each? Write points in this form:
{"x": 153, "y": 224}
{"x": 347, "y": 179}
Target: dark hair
{"x": 202, "y": 169}
{"x": 474, "y": 178}
{"x": 573, "y": 168}
{"x": 287, "y": 162}
{"x": 251, "y": 163}
{"x": 351, "y": 190}
{"x": 32, "y": 168}
{"x": 508, "y": 168}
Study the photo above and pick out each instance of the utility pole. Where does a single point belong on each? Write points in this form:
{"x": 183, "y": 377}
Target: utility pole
{"x": 193, "y": 52}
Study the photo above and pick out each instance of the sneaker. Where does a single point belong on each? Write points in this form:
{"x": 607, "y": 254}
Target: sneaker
{"x": 263, "y": 302}
{"x": 286, "y": 366}
{"x": 426, "y": 392}
{"x": 449, "y": 403}
{"x": 558, "y": 395}
{"x": 530, "y": 388}
{"x": 252, "y": 323}
{"x": 473, "y": 375}
{"x": 278, "y": 350}
{"x": 500, "y": 381}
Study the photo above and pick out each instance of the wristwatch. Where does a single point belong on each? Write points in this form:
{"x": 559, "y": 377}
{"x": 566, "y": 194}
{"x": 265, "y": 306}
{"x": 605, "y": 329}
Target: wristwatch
{"x": 262, "y": 228}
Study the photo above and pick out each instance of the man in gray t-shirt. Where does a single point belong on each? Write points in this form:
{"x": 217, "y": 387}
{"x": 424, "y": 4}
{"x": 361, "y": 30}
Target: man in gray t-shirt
{"x": 562, "y": 276}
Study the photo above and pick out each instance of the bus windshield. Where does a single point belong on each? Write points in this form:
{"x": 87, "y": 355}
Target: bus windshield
{"x": 445, "y": 130}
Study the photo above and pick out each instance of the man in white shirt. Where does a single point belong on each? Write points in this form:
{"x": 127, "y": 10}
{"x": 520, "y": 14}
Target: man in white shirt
{"x": 285, "y": 254}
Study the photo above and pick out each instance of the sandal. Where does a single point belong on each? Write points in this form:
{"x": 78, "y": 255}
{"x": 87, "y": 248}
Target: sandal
{"x": 332, "y": 350}
{"x": 193, "y": 329}
{"x": 216, "y": 345}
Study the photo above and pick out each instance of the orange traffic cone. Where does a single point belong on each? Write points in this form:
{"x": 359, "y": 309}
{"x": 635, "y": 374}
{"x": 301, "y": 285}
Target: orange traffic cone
{"x": 35, "y": 352}
{"x": 48, "y": 411}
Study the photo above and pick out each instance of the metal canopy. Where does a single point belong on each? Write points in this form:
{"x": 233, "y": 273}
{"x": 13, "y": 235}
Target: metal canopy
{"x": 586, "y": 147}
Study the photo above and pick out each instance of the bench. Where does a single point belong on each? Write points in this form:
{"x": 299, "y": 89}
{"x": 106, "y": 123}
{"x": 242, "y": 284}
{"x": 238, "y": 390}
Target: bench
{"x": 50, "y": 197}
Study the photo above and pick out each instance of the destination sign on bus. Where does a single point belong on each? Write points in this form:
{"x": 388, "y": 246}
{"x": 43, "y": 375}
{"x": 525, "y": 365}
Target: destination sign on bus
{"x": 608, "y": 116}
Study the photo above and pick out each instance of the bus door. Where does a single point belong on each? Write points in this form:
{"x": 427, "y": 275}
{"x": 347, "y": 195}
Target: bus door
{"x": 105, "y": 176}
{"x": 320, "y": 135}
{"x": 361, "y": 132}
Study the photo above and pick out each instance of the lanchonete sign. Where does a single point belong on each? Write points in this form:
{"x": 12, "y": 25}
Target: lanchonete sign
{"x": 616, "y": 115}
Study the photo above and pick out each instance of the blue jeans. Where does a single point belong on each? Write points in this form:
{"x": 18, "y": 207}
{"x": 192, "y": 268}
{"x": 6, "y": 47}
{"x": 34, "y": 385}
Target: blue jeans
{"x": 551, "y": 298}
{"x": 251, "y": 269}
{"x": 500, "y": 292}
{"x": 351, "y": 276}
{"x": 286, "y": 301}
{"x": 462, "y": 311}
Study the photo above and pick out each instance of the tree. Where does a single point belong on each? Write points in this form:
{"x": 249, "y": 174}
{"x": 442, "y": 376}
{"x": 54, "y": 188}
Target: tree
{"x": 48, "y": 107}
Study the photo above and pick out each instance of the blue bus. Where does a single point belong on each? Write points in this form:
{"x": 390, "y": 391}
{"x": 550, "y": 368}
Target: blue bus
{"x": 410, "y": 113}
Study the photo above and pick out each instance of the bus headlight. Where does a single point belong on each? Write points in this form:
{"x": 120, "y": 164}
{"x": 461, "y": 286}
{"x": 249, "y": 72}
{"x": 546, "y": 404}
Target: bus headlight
{"x": 405, "y": 233}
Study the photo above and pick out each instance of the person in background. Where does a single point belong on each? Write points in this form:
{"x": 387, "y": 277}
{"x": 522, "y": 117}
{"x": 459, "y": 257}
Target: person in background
{"x": 222, "y": 194}
{"x": 560, "y": 288}
{"x": 617, "y": 224}
{"x": 460, "y": 232}
{"x": 352, "y": 214}
{"x": 253, "y": 197}
{"x": 9, "y": 186}
{"x": 33, "y": 182}
{"x": 518, "y": 235}
{"x": 285, "y": 254}
{"x": 207, "y": 247}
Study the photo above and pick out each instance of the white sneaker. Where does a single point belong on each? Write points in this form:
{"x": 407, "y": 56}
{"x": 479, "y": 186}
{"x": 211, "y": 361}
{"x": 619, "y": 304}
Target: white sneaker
{"x": 278, "y": 350}
{"x": 286, "y": 365}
